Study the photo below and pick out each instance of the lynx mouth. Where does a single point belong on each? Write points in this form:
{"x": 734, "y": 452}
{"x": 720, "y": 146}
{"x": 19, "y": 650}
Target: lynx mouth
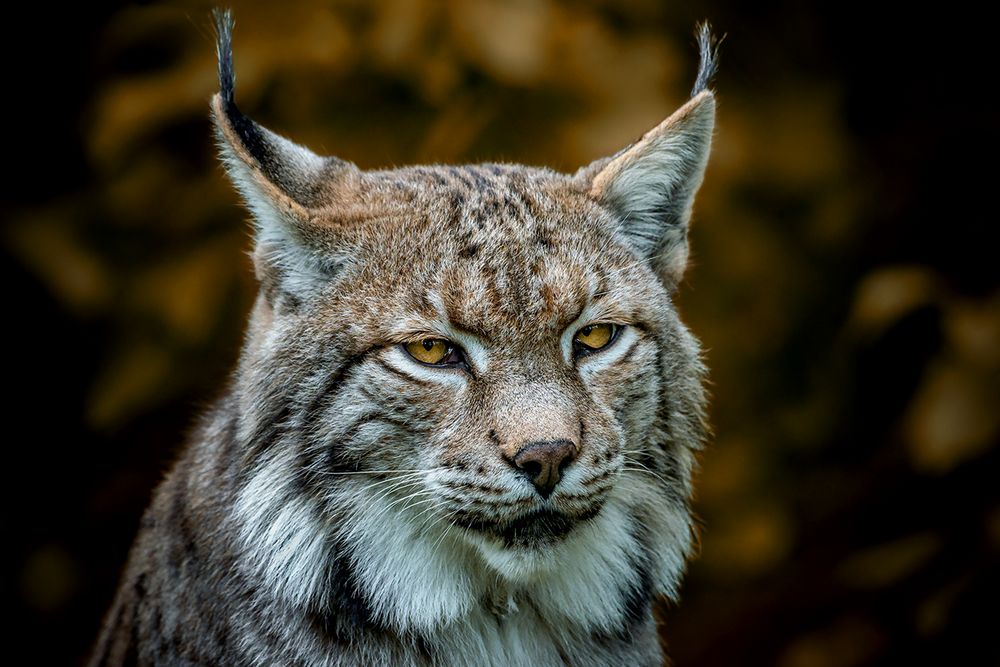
{"x": 536, "y": 528}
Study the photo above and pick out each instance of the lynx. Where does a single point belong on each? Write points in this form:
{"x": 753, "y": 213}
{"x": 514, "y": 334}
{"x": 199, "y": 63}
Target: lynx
{"x": 463, "y": 426}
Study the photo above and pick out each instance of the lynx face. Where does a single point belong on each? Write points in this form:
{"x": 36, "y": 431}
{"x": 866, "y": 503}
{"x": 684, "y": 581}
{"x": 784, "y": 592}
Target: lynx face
{"x": 468, "y": 383}
{"x": 506, "y": 354}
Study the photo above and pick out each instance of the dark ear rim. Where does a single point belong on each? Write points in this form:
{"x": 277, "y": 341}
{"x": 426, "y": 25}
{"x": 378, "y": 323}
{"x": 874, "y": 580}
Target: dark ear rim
{"x": 231, "y": 139}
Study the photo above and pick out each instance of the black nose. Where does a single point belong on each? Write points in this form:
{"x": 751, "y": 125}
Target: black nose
{"x": 543, "y": 462}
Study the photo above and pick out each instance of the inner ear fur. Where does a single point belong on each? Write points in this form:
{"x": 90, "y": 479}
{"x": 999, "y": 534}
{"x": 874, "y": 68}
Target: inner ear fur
{"x": 651, "y": 185}
{"x": 287, "y": 187}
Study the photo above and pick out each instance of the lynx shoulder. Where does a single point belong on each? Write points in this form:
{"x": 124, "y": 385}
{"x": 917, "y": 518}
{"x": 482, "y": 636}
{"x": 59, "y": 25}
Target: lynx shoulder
{"x": 464, "y": 422}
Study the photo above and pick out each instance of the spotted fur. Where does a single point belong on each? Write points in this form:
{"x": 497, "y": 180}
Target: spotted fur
{"x": 345, "y": 504}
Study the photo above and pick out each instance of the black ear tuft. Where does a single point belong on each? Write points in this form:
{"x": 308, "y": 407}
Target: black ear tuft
{"x": 708, "y": 50}
{"x": 282, "y": 183}
{"x": 651, "y": 185}
{"x": 224, "y": 48}
{"x": 249, "y": 132}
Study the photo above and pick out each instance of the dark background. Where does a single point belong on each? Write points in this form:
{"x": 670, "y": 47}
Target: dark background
{"x": 844, "y": 281}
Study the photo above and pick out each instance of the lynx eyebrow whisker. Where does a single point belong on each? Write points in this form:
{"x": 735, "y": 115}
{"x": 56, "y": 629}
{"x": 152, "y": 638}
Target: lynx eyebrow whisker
{"x": 650, "y": 261}
{"x": 627, "y": 267}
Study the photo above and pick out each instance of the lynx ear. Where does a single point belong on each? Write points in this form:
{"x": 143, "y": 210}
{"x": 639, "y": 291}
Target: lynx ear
{"x": 651, "y": 185}
{"x": 283, "y": 184}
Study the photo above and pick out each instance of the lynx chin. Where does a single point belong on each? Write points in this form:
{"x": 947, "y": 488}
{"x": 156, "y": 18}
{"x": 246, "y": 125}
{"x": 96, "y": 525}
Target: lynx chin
{"x": 463, "y": 425}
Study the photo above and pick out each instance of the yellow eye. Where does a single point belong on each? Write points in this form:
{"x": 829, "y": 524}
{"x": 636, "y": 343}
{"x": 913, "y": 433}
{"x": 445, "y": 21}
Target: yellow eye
{"x": 594, "y": 337}
{"x": 430, "y": 350}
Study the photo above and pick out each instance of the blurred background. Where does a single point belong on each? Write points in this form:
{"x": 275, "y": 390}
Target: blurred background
{"x": 843, "y": 281}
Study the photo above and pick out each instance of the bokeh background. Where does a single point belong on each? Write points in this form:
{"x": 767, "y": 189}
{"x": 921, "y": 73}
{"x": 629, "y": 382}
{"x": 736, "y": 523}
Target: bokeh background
{"x": 844, "y": 280}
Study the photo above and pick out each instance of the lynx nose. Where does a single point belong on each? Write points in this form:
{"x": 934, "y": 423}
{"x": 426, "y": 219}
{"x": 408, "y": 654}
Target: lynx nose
{"x": 543, "y": 462}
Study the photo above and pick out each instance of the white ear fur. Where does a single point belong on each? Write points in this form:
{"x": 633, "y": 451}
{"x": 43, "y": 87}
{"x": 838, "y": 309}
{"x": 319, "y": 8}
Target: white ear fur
{"x": 282, "y": 223}
{"x": 269, "y": 202}
{"x": 652, "y": 184}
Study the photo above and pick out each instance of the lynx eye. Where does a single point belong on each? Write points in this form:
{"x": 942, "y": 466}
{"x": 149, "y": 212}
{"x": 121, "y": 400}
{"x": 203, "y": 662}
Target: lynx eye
{"x": 594, "y": 337}
{"x": 435, "y": 352}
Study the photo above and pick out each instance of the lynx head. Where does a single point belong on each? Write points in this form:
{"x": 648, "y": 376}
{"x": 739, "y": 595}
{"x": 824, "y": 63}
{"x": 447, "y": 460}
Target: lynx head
{"x": 468, "y": 384}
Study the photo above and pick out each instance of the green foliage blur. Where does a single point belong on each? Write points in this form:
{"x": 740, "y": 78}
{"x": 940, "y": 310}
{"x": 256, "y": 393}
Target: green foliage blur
{"x": 842, "y": 281}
